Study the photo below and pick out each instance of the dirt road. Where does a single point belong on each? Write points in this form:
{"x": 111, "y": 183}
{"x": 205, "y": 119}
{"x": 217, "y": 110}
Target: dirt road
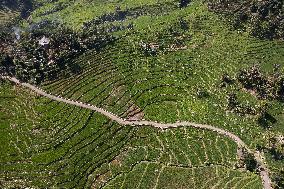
{"x": 264, "y": 173}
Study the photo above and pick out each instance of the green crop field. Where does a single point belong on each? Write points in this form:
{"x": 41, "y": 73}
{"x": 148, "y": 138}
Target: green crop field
{"x": 55, "y": 145}
{"x": 50, "y": 144}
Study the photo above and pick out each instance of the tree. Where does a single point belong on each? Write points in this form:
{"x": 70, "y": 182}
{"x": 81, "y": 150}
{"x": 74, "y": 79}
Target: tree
{"x": 201, "y": 93}
{"x": 262, "y": 18}
{"x": 265, "y": 119}
{"x": 183, "y": 3}
{"x": 232, "y": 101}
{"x": 183, "y": 24}
{"x": 226, "y": 80}
{"x": 279, "y": 180}
{"x": 250, "y": 162}
{"x": 276, "y": 148}
{"x": 30, "y": 61}
{"x": 280, "y": 91}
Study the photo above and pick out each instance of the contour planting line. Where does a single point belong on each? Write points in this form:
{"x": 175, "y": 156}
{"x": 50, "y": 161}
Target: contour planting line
{"x": 263, "y": 170}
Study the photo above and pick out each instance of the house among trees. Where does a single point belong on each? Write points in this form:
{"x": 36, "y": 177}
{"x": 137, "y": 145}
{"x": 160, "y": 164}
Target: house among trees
{"x": 44, "y": 41}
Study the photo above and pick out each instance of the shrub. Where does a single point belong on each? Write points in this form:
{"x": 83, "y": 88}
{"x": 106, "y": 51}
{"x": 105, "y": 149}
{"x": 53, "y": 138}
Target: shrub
{"x": 263, "y": 18}
{"x": 31, "y": 61}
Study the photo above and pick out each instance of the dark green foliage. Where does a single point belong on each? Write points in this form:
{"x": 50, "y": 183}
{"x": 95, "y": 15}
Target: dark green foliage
{"x": 202, "y": 93}
{"x": 183, "y": 24}
{"x": 280, "y": 91}
{"x": 183, "y": 3}
{"x": 264, "y": 18}
{"x": 30, "y": 61}
{"x": 226, "y": 80}
{"x": 232, "y": 101}
{"x": 236, "y": 106}
{"x": 265, "y": 119}
{"x": 124, "y": 14}
{"x": 276, "y": 148}
{"x": 266, "y": 86}
{"x": 11, "y": 4}
{"x": 23, "y": 6}
{"x": 263, "y": 86}
{"x": 279, "y": 180}
{"x": 251, "y": 79}
{"x": 250, "y": 162}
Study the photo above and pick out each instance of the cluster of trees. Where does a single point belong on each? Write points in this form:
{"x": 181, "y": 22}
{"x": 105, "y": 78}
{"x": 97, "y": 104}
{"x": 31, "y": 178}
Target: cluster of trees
{"x": 118, "y": 15}
{"x": 262, "y": 18}
{"x": 23, "y": 6}
{"x": 279, "y": 180}
{"x": 264, "y": 86}
{"x": 31, "y": 61}
{"x": 184, "y": 3}
{"x": 129, "y": 13}
{"x": 236, "y": 106}
{"x": 276, "y": 148}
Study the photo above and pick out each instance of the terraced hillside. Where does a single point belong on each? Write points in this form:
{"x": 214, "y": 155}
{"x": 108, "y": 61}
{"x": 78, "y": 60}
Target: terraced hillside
{"x": 166, "y": 65}
{"x": 181, "y": 81}
{"x": 6, "y": 15}
{"x": 52, "y": 144}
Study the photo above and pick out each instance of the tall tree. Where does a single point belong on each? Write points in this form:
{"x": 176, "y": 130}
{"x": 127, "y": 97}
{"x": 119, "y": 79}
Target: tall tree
{"x": 183, "y": 3}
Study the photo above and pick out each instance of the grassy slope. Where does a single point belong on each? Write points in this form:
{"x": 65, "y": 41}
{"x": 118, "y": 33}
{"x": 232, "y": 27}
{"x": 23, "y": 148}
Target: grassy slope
{"x": 50, "y": 144}
{"x": 164, "y": 87}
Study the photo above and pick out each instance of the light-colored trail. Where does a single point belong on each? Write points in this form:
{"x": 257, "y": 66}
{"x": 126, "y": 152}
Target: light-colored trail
{"x": 264, "y": 173}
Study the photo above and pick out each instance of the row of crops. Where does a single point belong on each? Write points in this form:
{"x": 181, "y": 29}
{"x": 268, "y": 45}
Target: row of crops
{"x": 170, "y": 85}
{"x": 52, "y": 144}
{"x": 7, "y": 15}
{"x": 152, "y": 175}
{"x": 70, "y": 12}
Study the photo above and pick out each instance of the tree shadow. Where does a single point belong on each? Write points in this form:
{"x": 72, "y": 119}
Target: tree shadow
{"x": 266, "y": 120}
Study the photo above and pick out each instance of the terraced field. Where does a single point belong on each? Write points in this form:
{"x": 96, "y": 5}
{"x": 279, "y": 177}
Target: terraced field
{"x": 176, "y": 84}
{"x": 70, "y": 147}
{"x": 180, "y": 177}
{"x": 6, "y": 16}
{"x": 51, "y": 144}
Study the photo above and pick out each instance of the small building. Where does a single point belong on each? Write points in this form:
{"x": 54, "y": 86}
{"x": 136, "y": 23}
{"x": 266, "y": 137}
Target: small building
{"x": 44, "y": 41}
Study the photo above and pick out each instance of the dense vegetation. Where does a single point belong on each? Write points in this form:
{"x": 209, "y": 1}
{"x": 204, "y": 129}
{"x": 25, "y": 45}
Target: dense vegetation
{"x": 52, "y": 144}
{"x": 164, "y": 61}
{"x": 262, "y": 18}
{"x": 267, "y": 87}
{"x": 38, "y": 55}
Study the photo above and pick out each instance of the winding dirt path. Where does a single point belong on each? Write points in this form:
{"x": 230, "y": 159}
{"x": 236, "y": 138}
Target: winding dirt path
{"x": 264, "y": 173}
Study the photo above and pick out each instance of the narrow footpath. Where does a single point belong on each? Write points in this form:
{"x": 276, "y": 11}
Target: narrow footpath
{"x": 264, "y": 172}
